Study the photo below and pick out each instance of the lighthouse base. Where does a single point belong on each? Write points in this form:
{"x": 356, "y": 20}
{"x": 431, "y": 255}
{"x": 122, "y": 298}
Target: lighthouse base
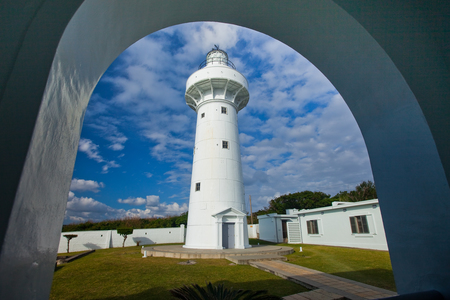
{"x": 227, "y": 231}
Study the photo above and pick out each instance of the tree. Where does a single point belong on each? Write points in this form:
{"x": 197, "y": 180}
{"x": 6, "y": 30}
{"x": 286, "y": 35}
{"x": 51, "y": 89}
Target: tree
{"x": 69, "y": 237}
{"x": 219, "y": 292}
{"x": 299, "y": 200}
{"x": 182, "y": 219}
{"x": 124, "y": 232}
{"x": 364, "y": 191}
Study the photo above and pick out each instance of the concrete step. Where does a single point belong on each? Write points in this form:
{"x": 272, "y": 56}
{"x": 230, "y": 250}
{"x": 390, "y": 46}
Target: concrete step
{"x": 246, "y": 259}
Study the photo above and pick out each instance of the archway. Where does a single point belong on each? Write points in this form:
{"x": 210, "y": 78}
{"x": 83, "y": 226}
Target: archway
{"x": 395, "y": 89}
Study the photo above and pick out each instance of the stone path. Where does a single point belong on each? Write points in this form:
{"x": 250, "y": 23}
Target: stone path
{"x": 325, "y": 286}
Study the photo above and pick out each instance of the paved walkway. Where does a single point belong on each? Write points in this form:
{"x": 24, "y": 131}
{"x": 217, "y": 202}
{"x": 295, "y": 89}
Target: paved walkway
{"x": 325, "y": 286}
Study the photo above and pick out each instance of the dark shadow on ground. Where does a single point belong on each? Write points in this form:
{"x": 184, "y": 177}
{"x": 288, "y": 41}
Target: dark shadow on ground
{"x": 366, "y": 276}
{"x": 143, "y": 241}
{"x": 57, "y": 268}
{"x": 260, "y": 242}
{"x": 164, "y": 294}
{"x": 92, "y": 246}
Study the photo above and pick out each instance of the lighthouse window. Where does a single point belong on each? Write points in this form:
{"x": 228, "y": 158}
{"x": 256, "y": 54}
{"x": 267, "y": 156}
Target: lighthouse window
{"x": 203, "y": 115}
{"x": 197, "y": 186}
{"x": 224, "y": 110}
{"x": 225, "y": 144}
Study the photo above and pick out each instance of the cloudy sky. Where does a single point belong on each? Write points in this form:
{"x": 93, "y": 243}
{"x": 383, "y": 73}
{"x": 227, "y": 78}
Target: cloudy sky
{"x": 135, "y": 151}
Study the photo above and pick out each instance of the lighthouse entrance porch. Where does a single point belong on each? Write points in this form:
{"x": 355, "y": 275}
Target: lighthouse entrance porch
{"x": 231, "y": 229}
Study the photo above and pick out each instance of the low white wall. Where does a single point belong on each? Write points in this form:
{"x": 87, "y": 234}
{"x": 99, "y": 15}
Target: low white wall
{"x": 253, "y": 231}
{"x": 102, "y": 239}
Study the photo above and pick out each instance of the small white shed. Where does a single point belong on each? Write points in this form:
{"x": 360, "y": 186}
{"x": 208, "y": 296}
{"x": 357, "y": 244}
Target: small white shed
{"x": 280, "y": 228}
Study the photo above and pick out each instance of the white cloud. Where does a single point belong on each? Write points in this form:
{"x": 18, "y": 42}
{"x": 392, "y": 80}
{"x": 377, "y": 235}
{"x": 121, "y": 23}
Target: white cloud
{"x": 154, "y": 206}
{"x": 86, "y": 185}
{"x": 150, "y": 200}
{"x": 84, "y": 209}
{"x": 245, "y": 138}
{"x": 133, "y": 201}
{"x": 110, "y": 164}
{"x": 107, "y": 127}
{"x": 168, "y": 209}
{"x": 91, "y": 150}
{"x": 116, "y": 147}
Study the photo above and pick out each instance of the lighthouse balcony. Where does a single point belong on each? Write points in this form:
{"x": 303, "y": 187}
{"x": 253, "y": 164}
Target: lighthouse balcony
{"x": 219, "y": 83}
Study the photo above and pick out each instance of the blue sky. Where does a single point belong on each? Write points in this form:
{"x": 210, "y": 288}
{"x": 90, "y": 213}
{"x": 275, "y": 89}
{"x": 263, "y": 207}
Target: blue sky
{"x": 135, "y": 151}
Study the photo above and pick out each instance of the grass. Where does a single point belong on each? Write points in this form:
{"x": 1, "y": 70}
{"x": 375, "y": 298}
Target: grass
{"x": 121, "y": 273}
{"x": 367, "y": 266}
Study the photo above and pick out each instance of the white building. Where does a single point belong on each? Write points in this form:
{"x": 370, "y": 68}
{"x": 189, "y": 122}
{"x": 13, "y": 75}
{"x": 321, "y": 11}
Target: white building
{"x": 344, "y": 224}
{"x": 217, "y": 217}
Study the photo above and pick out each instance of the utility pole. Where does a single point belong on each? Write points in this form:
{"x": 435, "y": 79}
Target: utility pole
{"x": 251, "y": 214}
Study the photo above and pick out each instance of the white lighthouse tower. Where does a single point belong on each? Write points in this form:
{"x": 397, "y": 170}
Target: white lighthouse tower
{"x": 217, "y": 218}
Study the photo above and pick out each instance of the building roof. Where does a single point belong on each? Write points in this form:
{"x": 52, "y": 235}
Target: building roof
{"x": 338, "y": 205}
{"x": 293, "y": 213}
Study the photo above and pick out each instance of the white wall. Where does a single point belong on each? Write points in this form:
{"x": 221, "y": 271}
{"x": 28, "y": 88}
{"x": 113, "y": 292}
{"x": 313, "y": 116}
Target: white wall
{"x": 267, "y": 228}
{"x": 270, "y": 228}
{"x": 253, "y": 231}
{"x": 335, "y": 230}
{"x": 102, "y": 239}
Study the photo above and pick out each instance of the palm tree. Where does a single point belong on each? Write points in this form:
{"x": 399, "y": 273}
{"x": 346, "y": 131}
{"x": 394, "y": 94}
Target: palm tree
{"x": 219, "y": 292}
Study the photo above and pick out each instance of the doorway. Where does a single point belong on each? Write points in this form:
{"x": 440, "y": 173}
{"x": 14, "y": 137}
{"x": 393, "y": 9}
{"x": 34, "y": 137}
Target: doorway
{"x": 285, "y": 233}
{"x": 228, "y": 237}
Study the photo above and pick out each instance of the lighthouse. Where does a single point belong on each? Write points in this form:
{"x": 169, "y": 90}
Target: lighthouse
{"x": 217, "y": 218}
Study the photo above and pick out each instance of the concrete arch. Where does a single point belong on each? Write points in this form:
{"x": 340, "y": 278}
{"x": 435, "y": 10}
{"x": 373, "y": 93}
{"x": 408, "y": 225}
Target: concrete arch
{"x": 390, "y": 61}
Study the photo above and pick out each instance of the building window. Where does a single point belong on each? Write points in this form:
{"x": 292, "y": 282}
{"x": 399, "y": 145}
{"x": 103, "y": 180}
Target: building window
{"x": 225, "y": 144}
{"x": 359, "y": 224}
{"x": 312, "y": 227}
{"x": 224, "y": 110}
{"x": 203, "y": 115}
{"x": 197, "y": 186}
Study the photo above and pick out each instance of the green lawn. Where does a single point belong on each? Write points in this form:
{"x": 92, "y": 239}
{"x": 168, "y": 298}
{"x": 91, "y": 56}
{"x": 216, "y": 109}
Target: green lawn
{"x": 122, "y": 273}
{"x": 366, "y": 266}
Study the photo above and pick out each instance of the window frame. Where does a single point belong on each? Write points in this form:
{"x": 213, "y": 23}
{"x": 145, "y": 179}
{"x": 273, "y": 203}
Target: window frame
{"x": 202, "y": 115}
{"x": 312, "y": 226}
{"x": 225, "y": 143}
{"x": 224, "y": 110}
{"x": 197, "y": 186}
{"x": 359, "y": 224}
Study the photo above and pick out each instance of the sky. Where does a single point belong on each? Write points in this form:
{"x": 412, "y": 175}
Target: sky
{"x": 135, "y": 152}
